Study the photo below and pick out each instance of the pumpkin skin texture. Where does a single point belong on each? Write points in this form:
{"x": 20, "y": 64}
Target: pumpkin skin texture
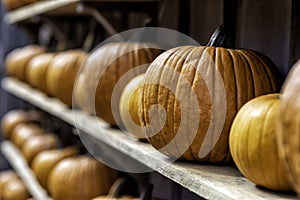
{"x": 37, "y": 71}
{"x": 22, "y": 132}
{"x": 95, "y": 179}
{"x": 15, "y": 189}
{"x": 288, "y": 126}
{"x": 61, "y": 74}
{"x": 105, "y": 66}
{"x": 14, "y": 117}
{"x": 253, "y": 143}
{"x": 129, "y": 106}
{"x": 16, "y": 62}
{"x": 45, "y": 161}
{"x": 37, "y": 144}
{"x": 220, "y": 79}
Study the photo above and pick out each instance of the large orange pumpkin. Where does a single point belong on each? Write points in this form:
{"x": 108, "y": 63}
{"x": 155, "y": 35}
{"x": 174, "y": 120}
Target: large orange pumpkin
{"x": 288, "y": 126}
{"x": 62, "y": 72}
{"x": 104, "y": 68}
{"x": 16, "y": 62}
{"x": 37, "y": 70}
{"x": 192, "y": 94}
{"x": 253, "y": 143}
{"x": 82, "y": 178}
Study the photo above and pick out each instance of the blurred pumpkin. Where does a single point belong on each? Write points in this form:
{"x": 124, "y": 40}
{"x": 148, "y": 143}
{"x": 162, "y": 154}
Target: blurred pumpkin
{"x": 82, "y": 178}
{"x": 6, "y": 176}
{"x": 253, "y": 143}
{"x": 16, "y": 61}
{"x": 129, "y": 106}
{"x": 37, "y": 70}
{"x": 14, "y": 189}
{"x": 15, "y": 4}
{"x": 61, "y": 74}
{"x": 288, "y": 133}
{"x": 15, "y": 117}
{"x": 37, "y": 144}
{"x": 45, "y": 161}
{"x": 103, "y": 69}
{"x": 192, "y": 94}
{"x": 23, "y": 132}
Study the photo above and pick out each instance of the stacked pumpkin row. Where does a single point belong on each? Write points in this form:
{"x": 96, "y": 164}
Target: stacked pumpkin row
{"x": 55, "y": 166}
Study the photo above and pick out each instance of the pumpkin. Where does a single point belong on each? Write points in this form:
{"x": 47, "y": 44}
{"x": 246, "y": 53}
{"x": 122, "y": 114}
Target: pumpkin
{"x": 253, "y": 143}
{"x": 15, "y": 117}
{"x": 103, "y": 69}
{"x": 62, "y": 72}
{"x": 37, "y": 70}
{"x": 37, "y": 144}
{"x": 82, "y": 178}
{"x": 288, "y": 126}
{"x": 192, "y": 94}
{"x": 16, "y": 62}
{"x": 14, "y": 189}
{"x": 23, "y": 132}
{"x": 6, "y": 176}
{"x": 129, "y": 106}
{"x": 45, "y": 161}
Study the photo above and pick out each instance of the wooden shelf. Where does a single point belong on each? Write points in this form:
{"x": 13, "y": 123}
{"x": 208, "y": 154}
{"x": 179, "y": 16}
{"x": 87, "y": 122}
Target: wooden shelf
{"x": 18, "y": 162}
{"x": 59, "y": 7}
{"x": 209, "y": 182}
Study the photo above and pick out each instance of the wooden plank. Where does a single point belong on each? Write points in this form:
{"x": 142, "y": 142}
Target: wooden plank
{"x": 65, "y": 7}
{"x": 18, "y": 162}
{"x": 209, "y": 182}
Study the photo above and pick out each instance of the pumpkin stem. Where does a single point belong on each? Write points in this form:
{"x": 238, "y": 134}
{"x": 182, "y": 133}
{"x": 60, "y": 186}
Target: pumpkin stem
{"x": 219, "y": 37}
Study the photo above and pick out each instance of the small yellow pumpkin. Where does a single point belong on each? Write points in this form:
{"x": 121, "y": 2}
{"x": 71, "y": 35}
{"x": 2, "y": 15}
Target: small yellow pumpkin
{"x": 253, "y": 143}
{"x": 129, "y": 106}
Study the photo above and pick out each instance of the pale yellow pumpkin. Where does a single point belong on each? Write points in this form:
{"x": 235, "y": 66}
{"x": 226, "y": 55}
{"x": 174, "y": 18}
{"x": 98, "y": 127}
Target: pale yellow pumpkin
{"x": 129, "y": 106}
{"x": 192, "y": 94}
{"x": 82, "y": 178}
{"x": 253, "y": 143}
